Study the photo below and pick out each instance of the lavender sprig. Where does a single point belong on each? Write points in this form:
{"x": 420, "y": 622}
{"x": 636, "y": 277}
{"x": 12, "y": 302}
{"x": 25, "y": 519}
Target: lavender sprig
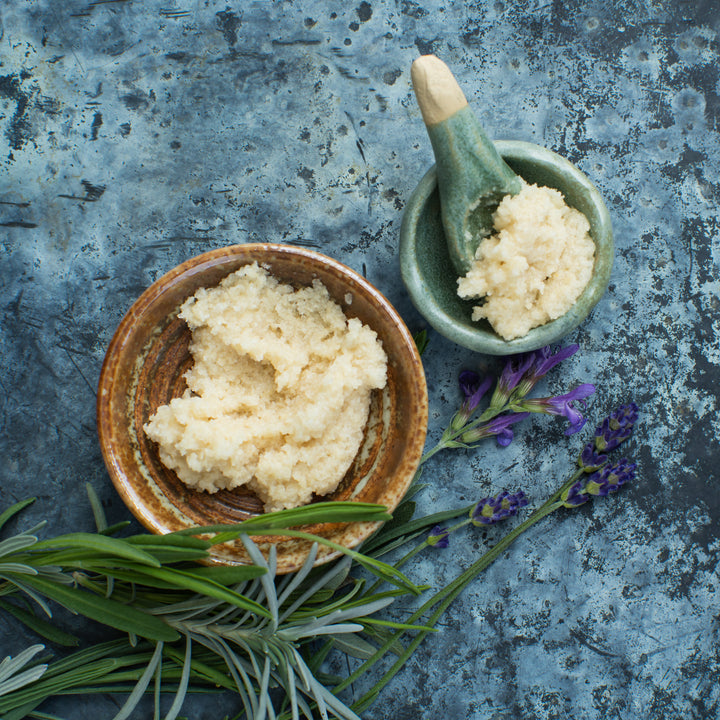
{"x": 588, "y": 481}
{"x": 563, "y": 406}
{"x": 488, "y": 511}
{"x": 508, "y": 404}
{"x": 491, "y": 510}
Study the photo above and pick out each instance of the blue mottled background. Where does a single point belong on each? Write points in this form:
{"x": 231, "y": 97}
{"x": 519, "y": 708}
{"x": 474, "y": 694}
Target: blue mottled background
{"x": 134, "y": 135}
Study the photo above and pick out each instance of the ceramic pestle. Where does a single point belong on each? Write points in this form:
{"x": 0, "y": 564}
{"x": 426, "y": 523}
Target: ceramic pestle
{"x": 472, "y": 177}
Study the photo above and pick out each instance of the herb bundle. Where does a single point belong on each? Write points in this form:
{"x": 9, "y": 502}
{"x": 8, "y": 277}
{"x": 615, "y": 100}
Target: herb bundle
{"x": 190, "y": 627}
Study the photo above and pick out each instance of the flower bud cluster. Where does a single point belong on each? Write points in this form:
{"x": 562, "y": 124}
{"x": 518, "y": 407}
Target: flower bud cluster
{"x": 490, "y": 510}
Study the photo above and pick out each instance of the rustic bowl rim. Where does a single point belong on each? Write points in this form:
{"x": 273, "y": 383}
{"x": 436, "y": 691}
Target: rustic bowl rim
{"x": 349, "y": 534}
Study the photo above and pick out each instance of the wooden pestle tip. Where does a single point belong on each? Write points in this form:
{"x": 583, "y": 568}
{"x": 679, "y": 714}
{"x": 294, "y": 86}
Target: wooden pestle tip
{"x": 438, "y": 93}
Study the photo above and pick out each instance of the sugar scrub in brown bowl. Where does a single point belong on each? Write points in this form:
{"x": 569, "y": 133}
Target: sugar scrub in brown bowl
{"x": 279, "y": 392}
{"x": 156, "y": 360}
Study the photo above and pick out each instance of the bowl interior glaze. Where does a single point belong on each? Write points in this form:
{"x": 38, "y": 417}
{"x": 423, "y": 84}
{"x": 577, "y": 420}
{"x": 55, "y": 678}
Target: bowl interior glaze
{"x": 430, "y": 277}
{"x": 144, "y": 368}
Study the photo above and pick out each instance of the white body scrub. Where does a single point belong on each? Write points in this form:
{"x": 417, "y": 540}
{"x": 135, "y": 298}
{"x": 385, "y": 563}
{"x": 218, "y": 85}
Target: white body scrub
{"x": 279, "y": 393}
{"x": 535, "y": 265}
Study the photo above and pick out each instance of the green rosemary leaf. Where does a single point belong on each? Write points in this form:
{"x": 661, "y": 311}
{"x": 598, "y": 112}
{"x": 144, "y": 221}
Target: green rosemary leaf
{"x": 377, "y": 567}
{"x": 97, "y": 508}
{"x": 139, "y": 690}
{"x": 354, "y": 645}
{"x": 186, "y": 580}
{"x": 21, "y": 585}
{"x": 228, "y": 574}
{"x": 322, "y": 512}
{"x": 22, "y": 712}
{"x": 104, "y": 610}
{"x": 100, "y": 544}
{"x": 157, "y": 690}
{"x": 19, "y": 568}
{"x": 28, "y": 698}
{"x": 16, "y": 543}
{"x": 201, "y": 669}
{"x": 397, "y": 625}
{"x": 421, "y": 340}
{"x": 410, "y": 530}
{"x": 88, "y": 655}
{"x": 9, "y": 665}
{"x": 14, "y": 510}
{"x": 115, "y": 528}
{"x": 39, "y": 626}
{"x": 21, "y": 679}
{"x": 168, "y": 540}
{"x": 183, "y": 685}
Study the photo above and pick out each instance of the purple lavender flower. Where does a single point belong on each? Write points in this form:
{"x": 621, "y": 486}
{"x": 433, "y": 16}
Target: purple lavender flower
{"x": 490, "y": 510}
{"x": 610, "y": 479}
{"x": 542, "y": 361}
{"x": 563, "y": 405}
{"x": 590, "y": 459}
{"x": 473, "y": 389}
{"x": 575, "y": 495}
{"x": 499, "y": 426}
{"x": 601, "y": 483}
{"x": 439, "y": 537}
{"x": 515, "y": 368}
{"x": 616, "y": 428}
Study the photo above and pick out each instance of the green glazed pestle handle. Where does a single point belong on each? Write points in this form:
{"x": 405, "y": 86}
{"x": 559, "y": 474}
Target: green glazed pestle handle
{"x": 472, "y": 177}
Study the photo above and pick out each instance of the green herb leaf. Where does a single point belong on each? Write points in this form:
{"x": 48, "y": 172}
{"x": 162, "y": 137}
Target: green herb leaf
{"x": 100, "y": 544}
{"x": 195, "y": 583}
{"x": 97, "y": 508}
{"x": 39, "y": 626}
{"x": 14, "y": 510}
{"x": 104, "y": 610}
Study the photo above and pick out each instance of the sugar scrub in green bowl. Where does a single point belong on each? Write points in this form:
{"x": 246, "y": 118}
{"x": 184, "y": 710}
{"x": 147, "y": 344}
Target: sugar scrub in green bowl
{"x": 451, "y": 212}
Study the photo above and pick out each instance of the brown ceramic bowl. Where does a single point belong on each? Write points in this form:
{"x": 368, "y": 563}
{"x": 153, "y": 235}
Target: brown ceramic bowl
{"x": 144, "y": 368}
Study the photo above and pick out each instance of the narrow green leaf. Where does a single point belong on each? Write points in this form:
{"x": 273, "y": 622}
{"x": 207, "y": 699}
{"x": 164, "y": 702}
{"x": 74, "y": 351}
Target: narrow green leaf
{"x": 322, "y": 512}
{"x": 410, "y": 529}
{"x": 21, "y": 679}
{"x": 16, "y": 543}
{"x": 39, "y": 626}
{"x": 101, "y": 544}
{"x": 105, "y": 610}
{"x": 97, "y": 508}
{"x": 20, "y": 584}
{"x": 10, "y": 665}
{"x": 115, "y": 528}
{"x": 14, "y": 510}
{"x": 89, "y": 655}
{"x": 169, "y": 540}
{"x": 377, "y": 567}
{"x": 421, "y": 341}
{"x": 19, "y": 568}
{"x": 354, "y": 645}
{"x": 138, "y": 691}
{"x": 228, "y": 574}
{"x": 183, "y": 685}
{"x": 195, "y": 583}
{"x": 21, "y": 702}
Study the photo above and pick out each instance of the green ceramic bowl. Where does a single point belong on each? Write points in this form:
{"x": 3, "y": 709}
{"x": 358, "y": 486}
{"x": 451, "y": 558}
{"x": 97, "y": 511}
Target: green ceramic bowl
{"x": 431, "y": 279}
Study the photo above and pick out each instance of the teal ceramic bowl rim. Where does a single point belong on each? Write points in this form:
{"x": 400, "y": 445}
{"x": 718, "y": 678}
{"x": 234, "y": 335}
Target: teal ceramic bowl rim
{"x": 454, "y": 322}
